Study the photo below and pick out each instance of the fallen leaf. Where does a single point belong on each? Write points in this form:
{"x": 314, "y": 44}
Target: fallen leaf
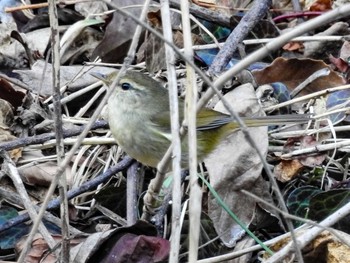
{"x": 324, "y": 248}
{"x": 125, "y": 244}
{"x": 286, "y": 170}
{"x": 119, "y": 32}
{"x": 321, "y": 5}
{"x": 235, "y": 165}
{"x": 294, "y": 71}
{"x": 293, "y": 46}
{"x": 39, "y": 251}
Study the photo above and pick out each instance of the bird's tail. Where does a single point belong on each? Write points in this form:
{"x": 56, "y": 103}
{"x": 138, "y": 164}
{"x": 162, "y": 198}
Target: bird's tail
{"x": 276, "y": 120}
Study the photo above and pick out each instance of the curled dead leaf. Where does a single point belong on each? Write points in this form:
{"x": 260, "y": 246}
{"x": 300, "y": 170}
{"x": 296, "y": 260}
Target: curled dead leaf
{"x": 286, "y": 170}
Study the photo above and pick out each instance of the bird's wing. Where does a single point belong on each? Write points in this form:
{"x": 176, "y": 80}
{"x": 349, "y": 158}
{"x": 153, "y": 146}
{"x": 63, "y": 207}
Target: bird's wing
{"x": 208, "y": 119}
{"x": 161, "y": 124}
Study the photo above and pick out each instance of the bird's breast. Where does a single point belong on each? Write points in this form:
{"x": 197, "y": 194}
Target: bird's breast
{"x": 133, "y": 132}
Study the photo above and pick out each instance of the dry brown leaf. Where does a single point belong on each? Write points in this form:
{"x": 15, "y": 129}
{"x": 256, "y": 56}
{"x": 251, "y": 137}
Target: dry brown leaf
{"x": 97, "y": 246}
{"x": 293, "y": 46}
{"x": 235, "y": 165}
{"x": 6, "y": 119}
{"x": 321, "y": 5}
{"x": 286, "y": 170}
{"x": 312, "y": 160}
{"x": 9, "y": 94}
{"x": 39, "y": 248}
{"x": 324, "y": 248}
{"x": 154, "y": 18}
{"x": 294, "y": 71}
{"x": 41, "y": 173}
{"x": 119, "y": 32}
{"x": 338, "y": 253}
{"x": 339, "y": 63}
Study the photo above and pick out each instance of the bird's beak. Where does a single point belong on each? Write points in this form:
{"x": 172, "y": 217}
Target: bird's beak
{"x": 105, "y": 78}
{"x": 100, "y": 76}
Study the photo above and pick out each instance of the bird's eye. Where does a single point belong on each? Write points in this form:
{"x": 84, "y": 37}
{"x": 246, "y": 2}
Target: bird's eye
{"x": 125, "y": 86}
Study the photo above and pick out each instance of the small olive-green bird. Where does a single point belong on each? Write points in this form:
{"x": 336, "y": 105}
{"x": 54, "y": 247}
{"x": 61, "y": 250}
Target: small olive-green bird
{"x": 139, "y": 119}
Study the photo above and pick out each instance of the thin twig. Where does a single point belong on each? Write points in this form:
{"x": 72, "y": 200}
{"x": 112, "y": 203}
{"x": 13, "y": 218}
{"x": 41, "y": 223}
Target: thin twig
{"x": 79, "y": 93}
{"x": 247, "y": 23}
{"x": 176, "y": 140}
{"x": 289, "y": 134}
{"x": 267, "y": 40}
{"x": 56, "y": 72}
{"x": 131, "y": 194}
{"x": 195, "y": 202}
{"x": 72, "y": 141}
{"x": 38, "y": 139}
{"x": 87, "y": 106}
{"x": 306, "y": 97}
{"x": 12, "y": 171}
{"x": 316, "y": 149}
